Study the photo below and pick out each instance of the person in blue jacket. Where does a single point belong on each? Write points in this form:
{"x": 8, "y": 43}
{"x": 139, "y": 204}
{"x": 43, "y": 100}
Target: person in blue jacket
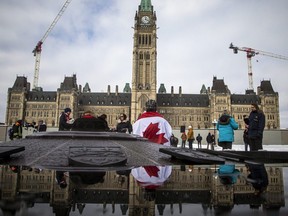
{"x": 226, "y": 126}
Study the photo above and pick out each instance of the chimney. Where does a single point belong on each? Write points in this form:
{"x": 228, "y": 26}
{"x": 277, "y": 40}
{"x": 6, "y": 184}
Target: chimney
{"x": 80, "y": 88}
{"x": 172, "y": 91}
{"x": 180, "y": 91}
{"x": 108, "y": 90}
{"x": 116, "y": 91}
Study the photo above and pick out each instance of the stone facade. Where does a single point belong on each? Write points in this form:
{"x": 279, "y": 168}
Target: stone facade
{"x": 198, "y": 110}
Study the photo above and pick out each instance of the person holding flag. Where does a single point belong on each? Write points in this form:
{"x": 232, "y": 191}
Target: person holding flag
{"x": 153, "y": 126}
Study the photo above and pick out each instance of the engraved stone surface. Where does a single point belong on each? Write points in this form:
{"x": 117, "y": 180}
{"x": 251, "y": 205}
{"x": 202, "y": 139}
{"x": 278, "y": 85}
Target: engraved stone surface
{"x": 97, "y": 156}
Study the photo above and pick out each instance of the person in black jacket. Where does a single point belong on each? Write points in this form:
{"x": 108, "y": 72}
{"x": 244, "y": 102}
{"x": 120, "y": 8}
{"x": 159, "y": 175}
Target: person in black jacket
{"x": 64, "y": 120}
{"x": 90, "y": 123}
{"x": 258, "y": 177}
{"x": 209, "y": 140}
{"x": 123, "y": 125}
{"x": 42, "y": 127}
{"x": 256, "y": 128}
{"x": 245, "y": 132}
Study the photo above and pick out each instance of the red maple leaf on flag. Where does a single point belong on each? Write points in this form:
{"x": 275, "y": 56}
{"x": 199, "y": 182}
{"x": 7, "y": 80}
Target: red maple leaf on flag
{"x": 152, "y": 170}
{"x": 151, "y": 134}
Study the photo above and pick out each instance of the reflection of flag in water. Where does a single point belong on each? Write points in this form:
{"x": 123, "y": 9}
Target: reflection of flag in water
{"x": 151, "y": 176}
{"x": 154, "y": 127}
{"x": 152, "y": 170}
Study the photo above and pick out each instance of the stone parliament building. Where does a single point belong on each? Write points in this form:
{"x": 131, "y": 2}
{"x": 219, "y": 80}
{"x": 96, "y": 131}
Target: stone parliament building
{"x": 198, "y": 110}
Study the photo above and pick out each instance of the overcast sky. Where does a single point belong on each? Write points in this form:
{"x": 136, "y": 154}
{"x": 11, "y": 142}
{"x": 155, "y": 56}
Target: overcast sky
{"x": 94, "y": 40}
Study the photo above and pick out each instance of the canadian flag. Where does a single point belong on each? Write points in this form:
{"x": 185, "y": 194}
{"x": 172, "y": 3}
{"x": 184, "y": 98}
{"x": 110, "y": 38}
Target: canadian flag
{"x": 151, "y": 176}
{"x": 154, "y": 127}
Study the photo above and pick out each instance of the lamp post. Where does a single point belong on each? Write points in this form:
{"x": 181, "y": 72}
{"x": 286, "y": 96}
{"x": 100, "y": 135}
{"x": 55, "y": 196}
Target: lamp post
{"x": 214, "y": 122}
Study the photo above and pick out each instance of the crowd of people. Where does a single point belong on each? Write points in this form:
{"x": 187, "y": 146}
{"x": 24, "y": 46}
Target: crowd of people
{"x": 253, "y": 131}
{"x": 16, "y": 131}
{"x": 153, "y": 126}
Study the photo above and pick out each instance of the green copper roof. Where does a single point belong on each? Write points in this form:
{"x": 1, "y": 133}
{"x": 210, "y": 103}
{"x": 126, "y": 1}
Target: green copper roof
{"x": 145, "y": 5}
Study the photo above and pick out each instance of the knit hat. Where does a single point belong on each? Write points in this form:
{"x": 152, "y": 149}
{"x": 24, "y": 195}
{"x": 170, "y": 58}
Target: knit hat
{"x": 67, "y": 110}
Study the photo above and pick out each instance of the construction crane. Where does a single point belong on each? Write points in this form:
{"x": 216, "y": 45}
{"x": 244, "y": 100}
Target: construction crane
{"x": 251, "y": 53}
{"x": 37, "y": 50}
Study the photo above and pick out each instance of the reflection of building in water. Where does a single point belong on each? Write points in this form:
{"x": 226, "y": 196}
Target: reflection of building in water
{"x": 186, "y": 184}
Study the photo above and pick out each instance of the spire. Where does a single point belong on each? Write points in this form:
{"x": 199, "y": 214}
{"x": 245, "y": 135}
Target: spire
{"x": 146, "y": 5}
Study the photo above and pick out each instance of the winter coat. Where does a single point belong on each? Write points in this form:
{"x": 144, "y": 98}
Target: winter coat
{"x": 63, "y": 125}
{"x": 42, "y": 128}
{"x": 184, "y": 137}
{"x": 190, "y": 134}
{"x": 90, "y": 123}
{"x": 209, "y": 138}
{"x": 199, "y": 138}
{"x": 258, "y": 175}
{"x": 226, "y": 126}
{"x": 124, "y": 126}
{"x": 256, "y": 124}
{"x": 17, "y": 131}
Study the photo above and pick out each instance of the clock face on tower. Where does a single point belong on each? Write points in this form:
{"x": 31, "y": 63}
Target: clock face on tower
{"x": 145, "y": 19}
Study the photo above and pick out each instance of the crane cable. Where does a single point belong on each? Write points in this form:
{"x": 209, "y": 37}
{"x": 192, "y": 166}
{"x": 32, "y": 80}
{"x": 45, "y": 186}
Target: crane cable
{"x": 39, "y": 44}
{"x": 55, "y": 20}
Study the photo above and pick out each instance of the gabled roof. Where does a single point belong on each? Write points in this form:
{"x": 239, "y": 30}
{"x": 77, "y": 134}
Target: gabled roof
{"x": 69, "y": 83}
{"x": 21, "y": 83}
{"x": 219, "y": 86}
{"x": 266, "y": 87}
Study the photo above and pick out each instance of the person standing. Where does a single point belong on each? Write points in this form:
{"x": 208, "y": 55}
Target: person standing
{"x": 90, "y": 123}
{"x": 42, "y": 127}
{"x": 190, "y": 136}
{"x": 199, "y": 140}
{"x": 256, "y": 128}
{"x": 64, "y": 122}
{"x": 16, "y": 131}
{"x": 245, "y": 132}
{"x": 153, "y": 126}
{"x": 124, "y": 125}
{"x": 184, "y": 138}
{"x": 103, "y": 118}
{"x": 226, "y": 126}
{"x": 209, "y": 140}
